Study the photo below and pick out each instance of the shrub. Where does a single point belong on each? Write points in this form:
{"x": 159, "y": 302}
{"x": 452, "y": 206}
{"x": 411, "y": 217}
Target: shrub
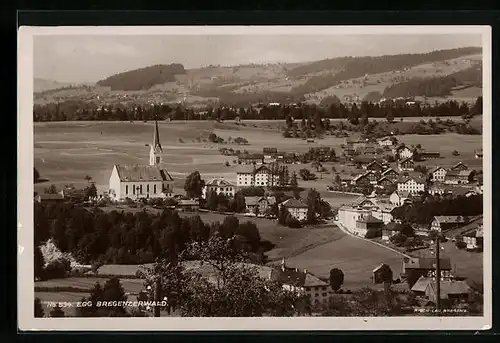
{"x": 58, "y": 268}
{"x": 460, "y": 244}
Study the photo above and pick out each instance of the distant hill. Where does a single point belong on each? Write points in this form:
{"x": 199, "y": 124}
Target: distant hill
{"x": 346, "y": 78}
{"x": 144, "y": 78}
{"x": 42, "y": 85}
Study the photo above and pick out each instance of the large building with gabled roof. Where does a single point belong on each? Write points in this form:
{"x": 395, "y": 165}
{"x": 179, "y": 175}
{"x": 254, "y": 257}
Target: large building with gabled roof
{"x": 136, "y": 181}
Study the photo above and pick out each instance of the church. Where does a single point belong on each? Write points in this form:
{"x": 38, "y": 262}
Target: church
{"x": 142, "y": 181}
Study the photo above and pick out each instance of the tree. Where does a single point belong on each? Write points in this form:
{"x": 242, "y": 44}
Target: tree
{"x": 51, "y": 190}
{"x": 38, "y": 308}
{"x": 88, "y": 178}
{"x": 194, "y": 185}
{"x": 57, "y": 312}
{"x": 91, "y": 191}
{"x": 112, "y": 291}
{"x": 36, "y": 175}
{"x": 337, "y": 180}
{"x": 336, "y": 279}
{"x": 293, "y": 181}
{"x": 39, "y": 263}
{"x": 313, "y": 205}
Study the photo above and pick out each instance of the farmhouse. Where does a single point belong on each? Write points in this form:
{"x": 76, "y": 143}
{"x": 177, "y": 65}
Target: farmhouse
{"x": 445, "y": 223}
{"x": 390, "y": 174}
{"x": 50, "y": 198}
{"x": 406, "y": 164}
{"x": 370, "y": 177}
{"x": 388, "y": 141}
{"x": 302, "y": 281}
{"x": 251, "y": 159}
{"x": 375, "y": 166}
{"x": 459, "y": 166}
{"x": 474, "y": 238}
{"x": 403, "y": 152}
{"x": 457, "y": 177}
{"x": 259, "y": 205}
{"x": 438, "y": 174}
{"x": 385, "y": 182}
{"x": 219, "y": 186}
{"x": 425, "y": 266}
{"x": 439, "y": 188}
{"x": 451, "y": 291}
{"x": 413, "y": 185}
{"x": 188, "y": 205}
{"x": 142, "y": 181}
{"x": 296, "y": 208}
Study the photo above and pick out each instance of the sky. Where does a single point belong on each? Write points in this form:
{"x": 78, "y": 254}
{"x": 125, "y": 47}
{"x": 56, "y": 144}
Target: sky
{"x": 88, "y": 59}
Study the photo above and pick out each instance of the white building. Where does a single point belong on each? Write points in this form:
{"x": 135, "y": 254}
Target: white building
{"x": 388, "y": 141}
{"x": 251, "y": 176}
{"x": 412, "y": 185}
{"x": 438, "y": 174}
{"x": 399, "y": 198}
{"x": 348, "y": 216}
{"x": 219, "y": 186}
{"x": 296, "y": 208}
{"x": 142, "y": 181}
{"x": 405, "y": 152}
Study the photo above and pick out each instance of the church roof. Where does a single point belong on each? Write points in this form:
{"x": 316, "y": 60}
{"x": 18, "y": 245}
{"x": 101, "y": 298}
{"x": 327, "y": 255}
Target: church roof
{"x": 139, "y": 172}
{"x": 156, "y": 138}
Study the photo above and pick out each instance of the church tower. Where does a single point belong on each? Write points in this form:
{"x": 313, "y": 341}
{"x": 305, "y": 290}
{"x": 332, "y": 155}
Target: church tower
{"x": 155, "y": 152}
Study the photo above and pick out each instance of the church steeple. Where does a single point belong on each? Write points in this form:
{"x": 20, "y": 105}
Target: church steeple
{"x": 156, "y": 149}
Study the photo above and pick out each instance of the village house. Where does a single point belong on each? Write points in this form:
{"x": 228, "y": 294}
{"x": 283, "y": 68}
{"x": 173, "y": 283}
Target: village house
{"x": 50, "y": 198}
{"x": 458, "y": 177}
{"x": 251, "y": 159}
{"x": 364, "y": 202}
{"x": 403, "y": 152}
{"x": 384, "y": 182}
{"x": 424, "y": 155}
{"x": 413, "y": 185}
{"x": 451, "y": 291}
{"x": 438, "y": 188}
{"x": 406, "y": 164}
{"x": 383, "y": 212}
{"x": 366, "y": 224}
{"x": 348, "y": 216}
{"x": 474, "y": 238}
{"x": 296, "y": 208}
{"x": 390, "y": 174}
{"x": 445, "y": 223}
{"x": 219, "y": 186}
{"x": 400, "y": 198}
{"x": 368, "y": 178}
{"x": 259, "y": 204}
{"x": 459, "y": 166}
{"x": 478, "y": 153}
{"x": 425, "y": 266}
{"x": 389, "y": 230}
{"x": 387, "y": 141}
{"x": 375, "y": 166}
{"x": 438, "y": 174}
{"x": 270, "y": 155}
{"x": 301, "y": 281}
{"x": 188, "y": 205}
{"x": 142, "y": 181}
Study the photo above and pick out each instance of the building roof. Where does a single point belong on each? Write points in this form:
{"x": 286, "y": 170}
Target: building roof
{"x": 402, "y": 194}
{"x": 407, "y": 159}
{"x": 435, "y": 169}
{"x": 46, "y": 196}
{"x": 251, "y": 156}
{"x": 459, "y": 173}
{"x": 450, "y": 219}
{"x": 369, "y": 220}
{"x": 293, "y": 203}
{"x": 295, "y": 277}
{"x": 141, "y": 172}
{"x": 188, "y": 202}
{"x": 458, "y": 165}
{"x": 417, "y": 179}
{"x": 387, "y": 171}
{"x": 219, "y": 182}
{"x": 448, "y": 287}
{"x": 392, "y": 226}
{"x": 253, "y": 201}
{"x": 426, "y": 263}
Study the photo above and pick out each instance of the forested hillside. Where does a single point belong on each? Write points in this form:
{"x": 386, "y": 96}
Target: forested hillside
{"x": 436, "y": 86}
{"x": 143, "y": 78}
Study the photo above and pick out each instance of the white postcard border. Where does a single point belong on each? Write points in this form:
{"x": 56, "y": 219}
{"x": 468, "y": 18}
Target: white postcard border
{"x": 26, "y": 320}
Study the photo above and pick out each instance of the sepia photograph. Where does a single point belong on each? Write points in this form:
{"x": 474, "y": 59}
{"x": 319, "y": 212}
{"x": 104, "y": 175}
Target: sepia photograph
{"x": 325, "y": 178}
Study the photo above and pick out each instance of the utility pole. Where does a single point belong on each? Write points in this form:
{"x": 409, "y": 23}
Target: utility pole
{"x": 438, "y": 275}
{"x": 157, "y": 296}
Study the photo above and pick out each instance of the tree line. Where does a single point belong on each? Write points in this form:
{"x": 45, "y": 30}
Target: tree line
{"x": 78, "y": 110}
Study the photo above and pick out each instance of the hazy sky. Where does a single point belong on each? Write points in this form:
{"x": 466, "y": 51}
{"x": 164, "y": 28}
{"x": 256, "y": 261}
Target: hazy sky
{"x": 85, "y": 58}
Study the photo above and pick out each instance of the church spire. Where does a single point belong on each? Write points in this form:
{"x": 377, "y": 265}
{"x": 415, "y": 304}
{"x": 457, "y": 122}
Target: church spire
{"x": 156, "y": 138}
{"x": 156, "y": 150}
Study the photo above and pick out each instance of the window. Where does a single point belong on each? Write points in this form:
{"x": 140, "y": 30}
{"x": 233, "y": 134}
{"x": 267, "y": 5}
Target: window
{"x": 126, "y": 189}
{"x": 147, "y": 189}
{"x": 316, "y": 294}
{"x": 154, "y": 189}
{"x": 140, "y": 189}
{"x": 157, "y": 159}
{"x": 324, "y": 294}
{"x": 133, "y": 189}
